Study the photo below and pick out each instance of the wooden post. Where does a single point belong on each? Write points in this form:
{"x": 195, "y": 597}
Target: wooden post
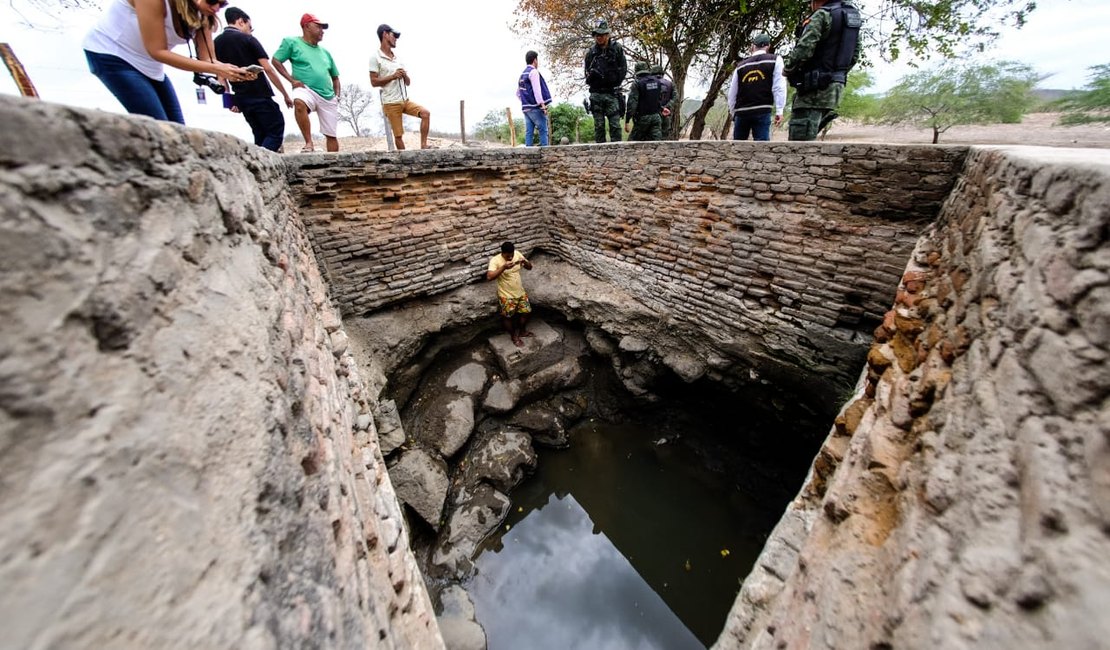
{"x": 18, "y": 72}
{"x": 462, "y": 119}
{"x": 512, "y": 127}
{"x": 390, "y": 145}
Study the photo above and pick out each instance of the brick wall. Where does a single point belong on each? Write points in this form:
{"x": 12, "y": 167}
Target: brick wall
{"x": 391, "y": 228}
{"x": 791, "y": 250}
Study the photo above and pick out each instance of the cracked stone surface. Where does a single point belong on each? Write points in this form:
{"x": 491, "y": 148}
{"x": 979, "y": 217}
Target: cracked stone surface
{"x": 420, "y": 480}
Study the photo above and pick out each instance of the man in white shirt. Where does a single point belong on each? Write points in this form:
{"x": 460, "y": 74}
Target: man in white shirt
{"x": 387, "y": 73}
{"x": 757, "y": 87}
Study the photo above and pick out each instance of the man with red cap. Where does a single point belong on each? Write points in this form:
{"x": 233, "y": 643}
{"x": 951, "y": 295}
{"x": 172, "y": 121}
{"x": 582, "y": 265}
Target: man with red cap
{"x": 315, "y": 80}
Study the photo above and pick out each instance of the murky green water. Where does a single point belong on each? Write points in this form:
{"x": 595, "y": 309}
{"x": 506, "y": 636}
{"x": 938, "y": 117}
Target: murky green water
{"x": 620, "y": 542}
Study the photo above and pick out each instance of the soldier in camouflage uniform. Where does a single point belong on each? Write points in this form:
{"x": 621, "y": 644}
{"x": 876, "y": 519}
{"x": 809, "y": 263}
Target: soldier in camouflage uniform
{"x": 668, "y": 98}
{"x": 644, "y": 106}
{"x": 818, "y": 66}
{"x": 606, "y": 68}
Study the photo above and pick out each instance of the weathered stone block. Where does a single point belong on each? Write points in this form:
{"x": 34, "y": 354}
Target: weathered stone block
{"x": 421, "y": 481}
{"x": 540, "y": 350}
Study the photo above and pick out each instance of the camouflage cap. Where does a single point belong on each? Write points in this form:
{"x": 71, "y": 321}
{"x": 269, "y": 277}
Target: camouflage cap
{"x": 642, "y": 67}
{"x": 601, "y": 28}
{"x": 656, "y": 69}
{"x": 761, "y": 40}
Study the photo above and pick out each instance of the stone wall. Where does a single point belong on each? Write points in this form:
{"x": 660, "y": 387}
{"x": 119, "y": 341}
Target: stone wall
{"x": 963, "y": 499}
{"x": 187, "y": 456}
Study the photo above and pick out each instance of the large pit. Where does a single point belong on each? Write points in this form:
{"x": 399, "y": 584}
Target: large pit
{"x": 578, "y": 491}
{"x": 197, "y": 337}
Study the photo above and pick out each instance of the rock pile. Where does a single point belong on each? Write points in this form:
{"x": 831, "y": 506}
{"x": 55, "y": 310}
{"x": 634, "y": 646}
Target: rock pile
{"x": 470, "y": 435}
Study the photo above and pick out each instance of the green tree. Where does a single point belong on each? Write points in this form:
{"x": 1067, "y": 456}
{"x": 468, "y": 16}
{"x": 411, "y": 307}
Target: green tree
{"x": 941, "y": 27}
{"x": 494, "y": 127}
{"x": 953, "y": 94}
{"x": 1091, "y": 104}
{"x": 855, "y": 104}
{"x": 571, "y": 122}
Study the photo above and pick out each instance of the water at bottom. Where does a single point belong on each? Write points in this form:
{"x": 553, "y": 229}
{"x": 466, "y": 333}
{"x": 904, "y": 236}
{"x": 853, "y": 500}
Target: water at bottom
{"x": 619, "y": 542}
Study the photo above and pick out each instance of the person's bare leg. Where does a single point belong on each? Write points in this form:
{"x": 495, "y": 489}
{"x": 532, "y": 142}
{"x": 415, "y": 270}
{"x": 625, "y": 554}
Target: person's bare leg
{"x": 399, "y": 141}
{"x": 300, "y": 113}
{"x": 507, "y": 323}
{"x": 332, "y": 142}
{"x": 425, "y": 124}
{"x": 523, "y": 323}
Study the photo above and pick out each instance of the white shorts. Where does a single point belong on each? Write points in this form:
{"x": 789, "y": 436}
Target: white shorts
{"x": 327, "y": 110}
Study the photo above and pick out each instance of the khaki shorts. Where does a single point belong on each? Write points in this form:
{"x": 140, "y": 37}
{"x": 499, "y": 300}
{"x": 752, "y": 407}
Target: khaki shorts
{"x": 394, "y": 111}
{"x": 327, "y": 110}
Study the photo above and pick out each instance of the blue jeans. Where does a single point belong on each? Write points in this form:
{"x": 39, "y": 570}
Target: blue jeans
{"x": 758, "y": 126}
{"x": 265, "y": 119}
{"x": 535, "y": 118}
{"x": 138, "y": 93}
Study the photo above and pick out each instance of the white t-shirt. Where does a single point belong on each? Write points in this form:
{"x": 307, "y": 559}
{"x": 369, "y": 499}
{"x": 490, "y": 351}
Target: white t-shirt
{"x": 380, "y": 63}
{"x": 117, "y": 33}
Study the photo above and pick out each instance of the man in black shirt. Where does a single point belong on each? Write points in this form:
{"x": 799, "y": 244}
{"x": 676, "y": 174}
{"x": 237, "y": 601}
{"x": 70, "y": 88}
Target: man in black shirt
{"x": 254, "y": 99}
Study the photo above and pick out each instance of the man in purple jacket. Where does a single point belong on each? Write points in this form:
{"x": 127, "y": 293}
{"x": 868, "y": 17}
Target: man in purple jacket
{"x": 534, "y": 100}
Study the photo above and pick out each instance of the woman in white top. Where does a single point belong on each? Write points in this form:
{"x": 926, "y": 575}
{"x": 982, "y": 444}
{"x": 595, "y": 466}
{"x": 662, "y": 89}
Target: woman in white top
{"x": 128, "y": 49}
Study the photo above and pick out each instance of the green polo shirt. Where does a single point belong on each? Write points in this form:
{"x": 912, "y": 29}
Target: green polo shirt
{"x": 312, "y": 65}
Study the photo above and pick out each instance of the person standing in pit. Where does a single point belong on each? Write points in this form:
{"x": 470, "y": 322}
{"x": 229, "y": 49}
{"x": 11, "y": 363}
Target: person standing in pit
{"x": 511, "y": 296}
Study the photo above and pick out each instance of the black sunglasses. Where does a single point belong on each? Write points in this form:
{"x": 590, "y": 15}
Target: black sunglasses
{"x": 221, "y": 3}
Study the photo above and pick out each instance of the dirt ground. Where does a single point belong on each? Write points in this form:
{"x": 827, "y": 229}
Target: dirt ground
{"x": 378, "y": 143}
{"x": 1038, "y": 129}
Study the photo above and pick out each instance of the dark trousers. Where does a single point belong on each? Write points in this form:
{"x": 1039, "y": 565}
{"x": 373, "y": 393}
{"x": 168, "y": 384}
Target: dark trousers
{"x": 757, "y": 126}
{"x": 265, "y": 118}
{"x": 139, "y": 94}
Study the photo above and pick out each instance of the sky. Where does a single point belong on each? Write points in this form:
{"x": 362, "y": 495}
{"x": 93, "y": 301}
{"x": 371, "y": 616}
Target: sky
{"x": 457, "y": 51}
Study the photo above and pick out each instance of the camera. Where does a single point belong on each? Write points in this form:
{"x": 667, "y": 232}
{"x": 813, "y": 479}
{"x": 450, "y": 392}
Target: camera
{"x": 210, "y": 80}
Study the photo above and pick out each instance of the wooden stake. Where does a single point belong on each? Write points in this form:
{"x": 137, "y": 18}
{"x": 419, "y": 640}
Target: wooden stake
{"x": 512, "y": 127}
{"x": 462, "y": 119}
{"x": 390, "y": 145}
{"x": 19, "y": 73}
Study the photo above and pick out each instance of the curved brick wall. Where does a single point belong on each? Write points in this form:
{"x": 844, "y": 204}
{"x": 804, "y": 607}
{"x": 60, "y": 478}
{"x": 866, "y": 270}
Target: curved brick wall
{"x": 783, "y": 257}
